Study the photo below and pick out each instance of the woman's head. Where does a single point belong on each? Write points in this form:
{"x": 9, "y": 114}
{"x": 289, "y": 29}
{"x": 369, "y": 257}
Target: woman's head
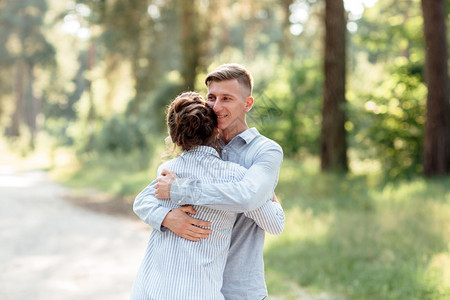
{"x": 191, "y": 122}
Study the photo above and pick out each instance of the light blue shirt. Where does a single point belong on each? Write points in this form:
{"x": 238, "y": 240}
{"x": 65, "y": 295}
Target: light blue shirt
{"x": 175, "y": 268}
{"x": 262, "y": 157}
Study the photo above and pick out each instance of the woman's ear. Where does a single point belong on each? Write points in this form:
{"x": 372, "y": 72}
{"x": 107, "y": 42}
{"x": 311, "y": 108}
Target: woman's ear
{"x": 248, "y": 103}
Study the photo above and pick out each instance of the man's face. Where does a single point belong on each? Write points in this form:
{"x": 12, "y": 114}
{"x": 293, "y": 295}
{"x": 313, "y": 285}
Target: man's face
{"x": 230, "y": 102}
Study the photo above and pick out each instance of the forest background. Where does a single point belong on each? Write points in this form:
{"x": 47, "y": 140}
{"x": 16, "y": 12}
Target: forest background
{"x": 356, "y": 92}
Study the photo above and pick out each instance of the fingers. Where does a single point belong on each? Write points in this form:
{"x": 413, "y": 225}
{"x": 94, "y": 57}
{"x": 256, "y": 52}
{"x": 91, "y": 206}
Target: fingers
{"x": 166, "y": 172}
{"x": 160, "y": 181}
{"x": 188, "y": 209}
{"x": 185, "y": 226}
{"x": 164, "y": 183}
{"x": 195, "y": 234}
{"x": 201, "y": 223}
{"x": 162, "y": 188}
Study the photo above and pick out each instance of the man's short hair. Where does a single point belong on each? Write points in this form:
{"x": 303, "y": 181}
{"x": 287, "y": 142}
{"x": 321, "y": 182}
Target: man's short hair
{"x": 229, "y": 72}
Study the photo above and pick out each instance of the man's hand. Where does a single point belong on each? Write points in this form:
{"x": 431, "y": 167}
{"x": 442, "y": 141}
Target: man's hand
{"x": 180, "y": 223}
{"x": 164, "y": 183}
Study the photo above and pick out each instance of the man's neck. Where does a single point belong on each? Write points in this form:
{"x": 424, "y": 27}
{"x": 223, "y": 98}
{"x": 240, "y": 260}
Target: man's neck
{"x": 227, "y": 135}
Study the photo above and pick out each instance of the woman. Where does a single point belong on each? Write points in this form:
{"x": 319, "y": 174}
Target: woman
{"x": 176, "y": 268}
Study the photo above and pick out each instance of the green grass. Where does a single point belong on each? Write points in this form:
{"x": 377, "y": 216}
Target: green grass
{"x": 359, "y": 238}
{"x": 123, "y": 175}
{"x": 351, "y": 236}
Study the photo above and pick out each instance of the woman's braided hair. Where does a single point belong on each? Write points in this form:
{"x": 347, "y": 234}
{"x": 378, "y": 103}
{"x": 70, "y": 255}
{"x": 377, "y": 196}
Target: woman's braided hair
{"x": 191, "y": 122}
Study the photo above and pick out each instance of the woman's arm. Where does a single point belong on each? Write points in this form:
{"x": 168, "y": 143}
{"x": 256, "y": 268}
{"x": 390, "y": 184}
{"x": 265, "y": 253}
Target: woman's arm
{"x": 270, "y": 217}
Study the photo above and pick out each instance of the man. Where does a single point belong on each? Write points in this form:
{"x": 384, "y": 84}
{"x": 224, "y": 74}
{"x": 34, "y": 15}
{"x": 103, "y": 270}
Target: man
{"x": 230, "y": 95}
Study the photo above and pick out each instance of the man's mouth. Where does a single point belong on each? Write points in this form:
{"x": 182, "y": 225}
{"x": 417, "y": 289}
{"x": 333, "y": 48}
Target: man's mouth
{"x": 221, "y": 116}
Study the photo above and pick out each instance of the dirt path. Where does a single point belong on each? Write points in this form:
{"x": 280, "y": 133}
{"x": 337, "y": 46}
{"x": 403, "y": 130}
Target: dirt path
{"x": 51, "y": 249}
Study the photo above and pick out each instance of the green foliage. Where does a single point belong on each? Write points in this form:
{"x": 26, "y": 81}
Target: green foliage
{"x": 136, "y": 71}
{"x": 20, "y": 145}
{"x": 24, "y": 51}
{"x": 154, "y": 108}
{"x": 390, "y": 125}
{"x": 391, "y": 28}
{"x": 22, "y": 33}
{"x": 287, "y": 107}
{"x": 122, "y": 135}
{"x": 57, "y": 129}
{"x": 118, "y": 133}
{"x": 129, "y": 41}
{"x": 387, "y": 94}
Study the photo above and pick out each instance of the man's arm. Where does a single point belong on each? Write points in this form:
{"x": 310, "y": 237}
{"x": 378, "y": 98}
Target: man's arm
{"x": 248, "y": 194}
{"x": 270, "y": 217}
{"x": 179, "y": 222}
{"x": 149, "y": 210}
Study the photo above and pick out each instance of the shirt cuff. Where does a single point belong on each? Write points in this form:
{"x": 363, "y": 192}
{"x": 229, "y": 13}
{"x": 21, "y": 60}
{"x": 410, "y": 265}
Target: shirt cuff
{"x": 185, "y": 191}
{"x": 158, "y": 218}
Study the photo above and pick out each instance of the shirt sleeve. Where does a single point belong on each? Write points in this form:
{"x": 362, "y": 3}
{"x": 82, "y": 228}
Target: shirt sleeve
{"x": 149, "y": 208}
{"x": 270, "y": 217}
{"x": 248, "y": 194}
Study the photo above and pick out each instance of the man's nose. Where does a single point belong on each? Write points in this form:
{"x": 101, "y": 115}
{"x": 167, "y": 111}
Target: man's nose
{"x": 217, "y": 105}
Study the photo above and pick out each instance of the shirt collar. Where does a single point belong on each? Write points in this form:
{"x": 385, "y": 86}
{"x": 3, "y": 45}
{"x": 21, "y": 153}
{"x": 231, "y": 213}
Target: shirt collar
{"x": 247, "y": 136}
{"x": 202, "y": 150}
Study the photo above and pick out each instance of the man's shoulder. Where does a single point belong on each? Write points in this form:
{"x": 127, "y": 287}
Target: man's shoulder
{"x": 266, "y": 143}
{"x": 252, "y": 135}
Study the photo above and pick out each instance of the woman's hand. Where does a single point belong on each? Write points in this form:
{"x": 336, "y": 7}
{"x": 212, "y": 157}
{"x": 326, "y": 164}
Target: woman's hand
{"x": 164, "y": 183}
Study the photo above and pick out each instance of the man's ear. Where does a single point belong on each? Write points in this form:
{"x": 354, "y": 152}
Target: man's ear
{"x": 248, "y": 103}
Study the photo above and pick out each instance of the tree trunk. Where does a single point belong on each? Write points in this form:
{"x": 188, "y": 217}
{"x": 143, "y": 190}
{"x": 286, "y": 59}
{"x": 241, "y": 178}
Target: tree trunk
{"x": 333, "y": 144}
{"x": 17, "y": 117}
{"x": 91, "y": 58}
{"x": 285, "y": 43}
{"x": 32, "y": 105}
{"x": 190, "y": 43}
{"x": 91, "y": 117}
{"x": 436, "y": 155}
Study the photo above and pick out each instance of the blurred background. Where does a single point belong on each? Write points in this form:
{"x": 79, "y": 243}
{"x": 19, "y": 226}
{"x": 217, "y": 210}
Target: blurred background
{"x": 355, "y": 91}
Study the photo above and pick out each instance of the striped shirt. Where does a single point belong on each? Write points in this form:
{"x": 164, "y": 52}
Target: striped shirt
{"x": 262, "y": 157}
{"x": 175, "y": 268}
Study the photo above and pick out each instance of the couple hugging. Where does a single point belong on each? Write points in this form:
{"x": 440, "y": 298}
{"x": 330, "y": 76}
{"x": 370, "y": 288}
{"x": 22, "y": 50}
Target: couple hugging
{"x": 211, "y": 206}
